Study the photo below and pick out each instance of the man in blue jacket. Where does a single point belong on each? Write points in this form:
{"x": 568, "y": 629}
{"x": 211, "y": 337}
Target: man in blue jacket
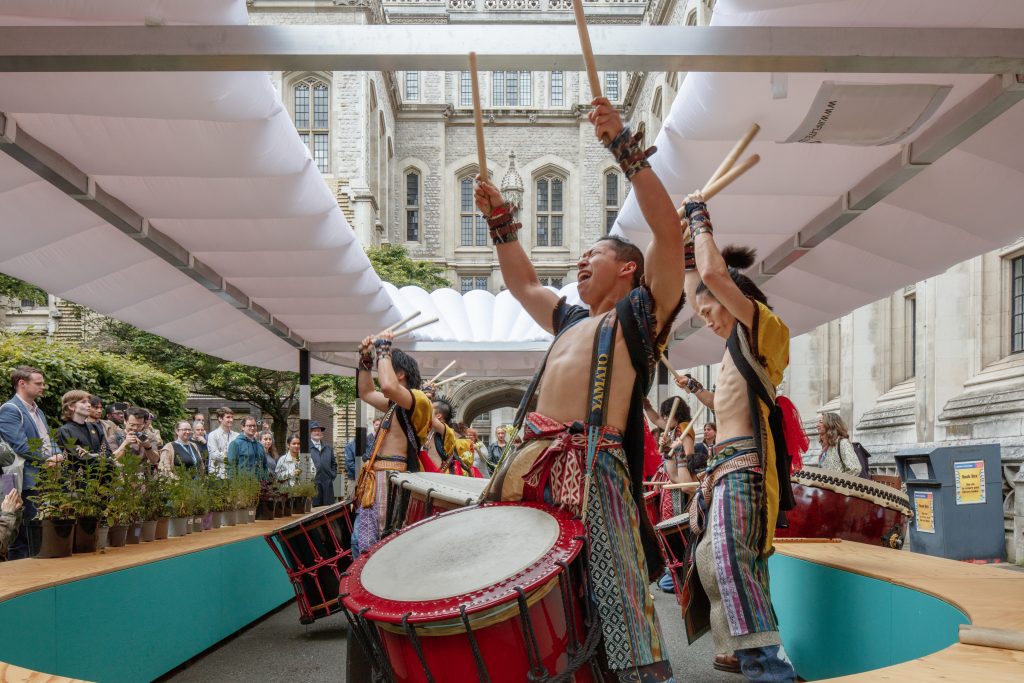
{"x": 23, "y": 426}
{"x": 246, "y": 452}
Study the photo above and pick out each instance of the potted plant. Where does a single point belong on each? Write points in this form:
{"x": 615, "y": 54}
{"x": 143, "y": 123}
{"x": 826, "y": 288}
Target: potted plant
{"x": 123, "y": 502}
{"x": 157, "y": 487}
{"x": 92, "y": 487}
{"x": 134, "y": 485}
{"x": 267, "y": 508}
{"x": 153, "y": 505}
{"x": 55, "y": 510}
{"x": 302, "y": 494}
{"x": 180, "y": 497}
{"x": 251, "y": 496}
{"x": 216, "y": 488}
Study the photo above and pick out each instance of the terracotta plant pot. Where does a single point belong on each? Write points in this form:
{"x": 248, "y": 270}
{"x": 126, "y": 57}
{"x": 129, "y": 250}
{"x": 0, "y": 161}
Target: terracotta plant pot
{"x": 177, "y": 526}
{"x": 307, "y": 505}
{"x": 296, "y": 505}
{"x": 215, "y": 518}
{"x": 250, "y": 515}
{"x": 134, "y": 533}
{"x": 102, "y": 537}
{"x": 227, "y": 518}
{"x": 149, "y": 531}
{"x": 118, "y": 535}
{"x": 57, "y": 539}
{"x": 161, "y": 528}
{"x": 197, "y": 523}
{"x": 86, "y": 538}
{"x": 189, "y": 521}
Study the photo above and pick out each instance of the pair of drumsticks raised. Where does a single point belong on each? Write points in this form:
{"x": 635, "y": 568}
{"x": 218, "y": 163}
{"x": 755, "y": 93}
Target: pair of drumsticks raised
{"x": 397, "y": 330}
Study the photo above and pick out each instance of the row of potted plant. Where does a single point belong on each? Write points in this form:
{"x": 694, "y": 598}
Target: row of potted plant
{"x": 88, "y": 505}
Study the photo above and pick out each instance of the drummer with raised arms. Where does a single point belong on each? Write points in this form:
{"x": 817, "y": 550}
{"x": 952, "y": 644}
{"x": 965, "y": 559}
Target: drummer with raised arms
{"x": 583, "y": 448}
{"x": 746, "y": 481}
{"x": 403, "y": 430}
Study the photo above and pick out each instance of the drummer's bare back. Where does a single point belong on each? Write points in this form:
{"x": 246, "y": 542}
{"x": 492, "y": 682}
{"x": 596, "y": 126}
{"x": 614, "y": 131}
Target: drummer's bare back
{"x": 565, "y": 389}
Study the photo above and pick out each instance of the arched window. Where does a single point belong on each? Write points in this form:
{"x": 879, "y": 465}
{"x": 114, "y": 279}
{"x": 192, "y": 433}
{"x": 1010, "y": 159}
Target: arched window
{"x": 611, "y": 85}
{"x": 550, "y": 210}
{"x": 472, "y": 226}
{"x": 412, "y": 206}
{"x": 312, "y": 115}
{"x": 612, "y": 198}
{"x": 412, "y": 86}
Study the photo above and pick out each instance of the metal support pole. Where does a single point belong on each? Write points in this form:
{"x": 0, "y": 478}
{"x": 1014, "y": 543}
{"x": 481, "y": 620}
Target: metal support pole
{"x": 305, "y": 401}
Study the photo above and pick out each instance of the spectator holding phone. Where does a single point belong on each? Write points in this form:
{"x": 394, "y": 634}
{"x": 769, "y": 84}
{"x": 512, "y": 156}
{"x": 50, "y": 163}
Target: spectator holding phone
{"x": 10, "y": 520}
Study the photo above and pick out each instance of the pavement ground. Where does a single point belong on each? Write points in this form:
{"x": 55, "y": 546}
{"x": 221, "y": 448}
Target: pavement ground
{"x": 279, "y": 648}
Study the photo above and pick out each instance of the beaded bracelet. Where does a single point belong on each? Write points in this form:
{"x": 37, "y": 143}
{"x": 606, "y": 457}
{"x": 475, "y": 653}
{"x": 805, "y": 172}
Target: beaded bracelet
{"x": 383, "y": 347}
{"x": 628, "y": 150}
{"x": 503, "y": 225}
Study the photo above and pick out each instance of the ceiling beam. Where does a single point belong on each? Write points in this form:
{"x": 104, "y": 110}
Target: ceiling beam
{"x": 534, "y": 47}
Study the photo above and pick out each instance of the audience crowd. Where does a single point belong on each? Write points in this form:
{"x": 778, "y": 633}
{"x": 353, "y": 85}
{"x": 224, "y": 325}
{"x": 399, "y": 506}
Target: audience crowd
{"x": 27, "y": 443}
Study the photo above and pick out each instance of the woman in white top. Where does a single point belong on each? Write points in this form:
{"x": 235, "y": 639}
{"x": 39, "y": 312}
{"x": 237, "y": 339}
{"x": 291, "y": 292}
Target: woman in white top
{"x": 836, "y": 450}
{"x": 289, "y": 465}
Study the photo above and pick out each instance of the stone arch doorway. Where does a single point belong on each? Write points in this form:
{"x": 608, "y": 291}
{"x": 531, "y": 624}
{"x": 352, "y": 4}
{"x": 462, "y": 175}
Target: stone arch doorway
{"x": 479, "y": 397}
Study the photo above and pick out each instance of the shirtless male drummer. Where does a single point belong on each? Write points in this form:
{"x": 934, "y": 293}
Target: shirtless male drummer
{"x": 733, "y": 515}
{"x": 592, "y": 392}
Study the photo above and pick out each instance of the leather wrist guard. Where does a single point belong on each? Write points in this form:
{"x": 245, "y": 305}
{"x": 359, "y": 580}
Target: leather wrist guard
{"x": 699, "y": 218}
{"x": 383, "y": 348}
{"x": 366, "y": 361}
{"x": 689, "y": 256}
{"x": 503, "y": 225}
{"x": 628, "y": 150}
{"x": 693, "y": 386}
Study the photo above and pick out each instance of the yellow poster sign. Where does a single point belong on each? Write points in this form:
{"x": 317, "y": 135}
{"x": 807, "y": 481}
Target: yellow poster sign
{"x": 924, "y": 507}
{"x": 970, "y": 482}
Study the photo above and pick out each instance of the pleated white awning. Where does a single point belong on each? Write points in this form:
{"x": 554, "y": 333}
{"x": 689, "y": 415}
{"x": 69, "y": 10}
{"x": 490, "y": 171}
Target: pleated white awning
{"x": 185, "y": 203}
{"x": 898, "y": 233}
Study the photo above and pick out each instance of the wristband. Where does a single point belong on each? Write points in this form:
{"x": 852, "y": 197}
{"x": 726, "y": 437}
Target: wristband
{"x": 628, "y": 150}
{"x": 699, "y": 218}
{"x": 693, "y": 386}
{"x": 383, "y": 348}
{"x": 689, "y": 256}
{"x": 366, "y": 361}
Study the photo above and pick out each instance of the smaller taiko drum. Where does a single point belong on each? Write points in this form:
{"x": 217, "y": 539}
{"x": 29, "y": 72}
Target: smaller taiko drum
{"x": 315, "y": 551}
{"x": 418, "y": 495}
{"x": 485, "y": 593}
{"x": 673, "y": 537}
{"x": 831, "y": 504}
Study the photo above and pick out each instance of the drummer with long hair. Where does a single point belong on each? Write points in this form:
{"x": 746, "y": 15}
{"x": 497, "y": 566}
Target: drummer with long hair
{"x": 403, "y": 430}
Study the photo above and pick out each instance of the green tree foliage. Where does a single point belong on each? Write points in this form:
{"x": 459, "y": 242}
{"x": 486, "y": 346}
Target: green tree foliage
{"x": 17, "y": 291}
{"x": 275, "y": 393}
{"x": 394, "y": 265}
{"x": 111, "y": 377}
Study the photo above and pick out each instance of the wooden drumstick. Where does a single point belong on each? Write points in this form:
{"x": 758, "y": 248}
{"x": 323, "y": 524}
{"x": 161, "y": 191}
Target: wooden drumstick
{"x": 392, "y": 328}
{"x": 991, "y": 637}
{"x": 723, "y": 182}
{"x": 685, "y": 486}
{"x": 671, "y": 370}
{"x": 588, "y": 51}
{"x": 399, "y": 333}
{"x": 727, "y": 179}
{"x": 478, "y": 118}
{"x": 451, "y": 379}
{"x": 734, "y": 154}
{"x": 438, "y": 375}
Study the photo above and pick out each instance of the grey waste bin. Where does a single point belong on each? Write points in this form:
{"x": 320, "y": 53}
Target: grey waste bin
{"x": 956, "y": 493}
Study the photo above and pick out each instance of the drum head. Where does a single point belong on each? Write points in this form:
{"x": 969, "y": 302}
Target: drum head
{"x": 673, "y": 522}
{"x": 474, "y": 556}
{"x": 450, "y": 488}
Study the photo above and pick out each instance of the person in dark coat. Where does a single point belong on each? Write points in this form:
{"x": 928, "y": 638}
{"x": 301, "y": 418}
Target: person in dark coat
{"x": 325, "y": 462}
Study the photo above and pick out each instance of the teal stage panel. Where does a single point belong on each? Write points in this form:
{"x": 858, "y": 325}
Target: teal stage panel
{"x": 835, "y": 623}
{"x": 136, "y": 624}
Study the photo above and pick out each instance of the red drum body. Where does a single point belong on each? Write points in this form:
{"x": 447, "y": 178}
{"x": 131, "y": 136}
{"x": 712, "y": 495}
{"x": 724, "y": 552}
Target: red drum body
{"x": 652, "y": 505}
{"x": 418, "y": 495}
{"x": 673, "y": 537}
{"x": 315, "y": 551}
{"x": 831, "y": 504}
{"x": 491, "y": 592}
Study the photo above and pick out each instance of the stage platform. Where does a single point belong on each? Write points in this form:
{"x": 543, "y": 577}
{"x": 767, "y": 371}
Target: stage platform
{"x": 134, "y": 613}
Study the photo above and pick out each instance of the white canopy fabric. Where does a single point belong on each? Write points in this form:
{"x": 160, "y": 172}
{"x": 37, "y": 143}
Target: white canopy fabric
{"x": 962, "y": 205}
{"x": 212, "y": 161}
